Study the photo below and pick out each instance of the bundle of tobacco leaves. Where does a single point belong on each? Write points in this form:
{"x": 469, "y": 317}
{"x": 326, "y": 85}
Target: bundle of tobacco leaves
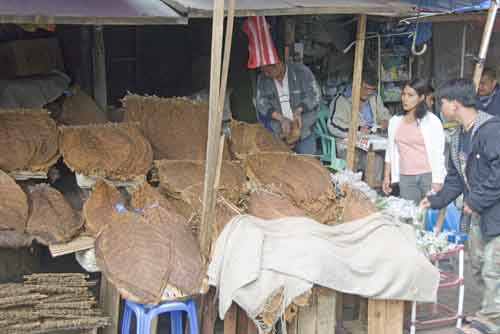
{"x": 45, "y": 303}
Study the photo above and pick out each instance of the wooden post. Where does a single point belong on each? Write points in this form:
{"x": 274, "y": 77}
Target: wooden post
{"x": 485, "y": 42}
{"x": 216, "y": 105}
{"x": 110, "y": 300}
{"x": 318, "y": 318}
{"x": 289, "y": 32}
{"x": 231, "y": 320}
{"x": 385, "y": 316}
{"x": 356, "y": 90}
{"x": 99, "y": 69}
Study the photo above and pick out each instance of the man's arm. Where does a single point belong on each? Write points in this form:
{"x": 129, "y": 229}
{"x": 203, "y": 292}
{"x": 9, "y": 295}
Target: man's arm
{"x": 452, "y": 188}
{"x": 487, "y": 192}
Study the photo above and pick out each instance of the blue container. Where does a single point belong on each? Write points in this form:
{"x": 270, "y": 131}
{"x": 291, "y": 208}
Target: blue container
{"x": 451, "y": 223}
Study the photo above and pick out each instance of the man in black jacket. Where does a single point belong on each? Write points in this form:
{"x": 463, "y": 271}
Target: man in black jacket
{"x": 474, "y": 170}
{"x": 489, "y": 92}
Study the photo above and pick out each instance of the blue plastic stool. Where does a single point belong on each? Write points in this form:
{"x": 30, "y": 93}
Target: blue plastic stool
{"x": 451, "y": 223}
{"x": 144, "y": 315}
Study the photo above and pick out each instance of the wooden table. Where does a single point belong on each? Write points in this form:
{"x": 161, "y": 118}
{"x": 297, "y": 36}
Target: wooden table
{"x": 321, "y": 317}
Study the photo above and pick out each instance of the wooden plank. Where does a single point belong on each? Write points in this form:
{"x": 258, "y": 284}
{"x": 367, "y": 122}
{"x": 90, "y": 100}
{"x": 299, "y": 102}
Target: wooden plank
{"x": 110, "y": 301}
{"x": 370, "y": 176}
{"x": 230, "y": 320}
{"x": 385, "y": 316}
{"x": 242, "y": 321}
{"x": 292, "y": 326}
{"x": 326, "y": 309}
{"x": 252, "y": 329}
{"x": 99, "y": 69}
{"x": 307, "y": 317}
{"x": 79, "y": 243}
{"x": 356, "y": 90}
{"x": 363, "y": 310}
{"x": 209, "y": 313}
{"x": 216, "y": 104}
{"x": 340, "y": 307}
{"x": 395, "y": 316}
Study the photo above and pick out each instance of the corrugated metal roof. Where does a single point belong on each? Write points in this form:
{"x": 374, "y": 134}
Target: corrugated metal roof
{"x": 203, "y": 8}
{"x": 95, "y": 12}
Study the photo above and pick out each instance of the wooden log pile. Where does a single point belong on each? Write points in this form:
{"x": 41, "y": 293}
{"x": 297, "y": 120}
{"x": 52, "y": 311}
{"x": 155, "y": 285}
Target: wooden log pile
{"x": 45, "y": 303}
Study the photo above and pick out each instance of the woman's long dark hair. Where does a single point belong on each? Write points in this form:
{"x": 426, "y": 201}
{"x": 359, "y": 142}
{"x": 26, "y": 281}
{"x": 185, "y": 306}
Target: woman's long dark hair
{"x": 423, "y": 87}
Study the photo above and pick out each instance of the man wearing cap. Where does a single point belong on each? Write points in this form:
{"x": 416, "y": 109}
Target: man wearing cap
{"x": 288, "y": 96}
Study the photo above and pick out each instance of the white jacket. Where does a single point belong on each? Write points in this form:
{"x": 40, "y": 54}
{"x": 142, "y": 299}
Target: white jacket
{"x": 433, "y": 133}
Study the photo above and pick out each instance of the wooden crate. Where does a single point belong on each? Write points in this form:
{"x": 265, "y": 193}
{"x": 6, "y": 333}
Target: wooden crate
{"x": 30, "y": 57}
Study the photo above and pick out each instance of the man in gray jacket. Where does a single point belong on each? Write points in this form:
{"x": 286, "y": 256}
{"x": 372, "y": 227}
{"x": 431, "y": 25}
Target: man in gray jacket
{"x": 288, "y": 99}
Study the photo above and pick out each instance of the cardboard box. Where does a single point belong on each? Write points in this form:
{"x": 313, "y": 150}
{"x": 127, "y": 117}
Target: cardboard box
{"x": 30, "y": 57}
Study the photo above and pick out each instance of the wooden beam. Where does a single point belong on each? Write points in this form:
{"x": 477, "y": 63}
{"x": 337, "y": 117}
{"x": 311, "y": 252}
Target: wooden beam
{"x": 99, "y": 69}
{"x": 214, "y": 128}
{"x": 231, "y": 320}
{"x": 485, "y": 41}
{"x": 356, "y": 90}
{"x": 109, "y": 298}
{"x": 385, "y": 316}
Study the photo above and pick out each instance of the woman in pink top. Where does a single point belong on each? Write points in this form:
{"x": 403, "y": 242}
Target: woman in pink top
{"x": 415, "y": 150}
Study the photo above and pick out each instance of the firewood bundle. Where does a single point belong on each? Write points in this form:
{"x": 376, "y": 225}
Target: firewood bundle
{"x": 45, "y": 303}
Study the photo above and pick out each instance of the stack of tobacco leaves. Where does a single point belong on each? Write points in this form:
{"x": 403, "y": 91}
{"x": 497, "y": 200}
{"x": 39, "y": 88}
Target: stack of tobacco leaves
{"x": 45, "y": 303}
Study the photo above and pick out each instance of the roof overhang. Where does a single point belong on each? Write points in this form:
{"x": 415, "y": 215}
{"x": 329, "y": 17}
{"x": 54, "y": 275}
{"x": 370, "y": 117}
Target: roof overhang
{"x": 89, "y": 12}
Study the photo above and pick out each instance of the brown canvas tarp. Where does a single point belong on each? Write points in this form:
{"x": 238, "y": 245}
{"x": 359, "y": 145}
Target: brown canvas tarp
{"x": 52, "y": 219}
{"x": 177, "y": 128}
{"x": 28, "y": 140}
{"x": 300, "y": 178}
{"x": 13, "y": 205}
{"x": 117, "y": 151}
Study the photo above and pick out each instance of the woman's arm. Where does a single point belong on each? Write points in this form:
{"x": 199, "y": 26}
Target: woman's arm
{"x": 386, "y": 185}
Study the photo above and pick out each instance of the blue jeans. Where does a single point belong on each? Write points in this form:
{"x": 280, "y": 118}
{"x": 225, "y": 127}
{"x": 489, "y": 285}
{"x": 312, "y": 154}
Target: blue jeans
{"x": 306, "y": 145}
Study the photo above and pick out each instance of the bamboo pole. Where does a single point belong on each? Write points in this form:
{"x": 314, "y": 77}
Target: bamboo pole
{"x": 99, "y": 69}
{"x": 356, "y": 90}
{"x": 216, "y": 105}
{"x": 485, "y": 42}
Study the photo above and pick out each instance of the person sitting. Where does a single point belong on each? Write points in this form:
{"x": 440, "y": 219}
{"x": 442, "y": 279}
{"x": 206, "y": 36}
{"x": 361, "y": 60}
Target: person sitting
{"x": 372, "y": 114}
{"x": 372, "y": 111}
{"x": 415, "y": 147}
{"x": 489, "y": 93}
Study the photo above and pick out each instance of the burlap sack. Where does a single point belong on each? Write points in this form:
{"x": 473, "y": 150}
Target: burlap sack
{"x": 13, "y": 205}
{"x": 253, "y": 138}
{"x": 356, "y": 205}
{"x": 164, "y": 253}
{"x": 99, "y": 208}
{"x": 52, "y": 220}
{"x": 177, "y": 128}
{"x": 266, "y": 205}
{"x": 80, "y": 109}
{"x": 300, "y": 178}
{"x": 29, "y": 140}
{"x": 176, "y": 176}
{"x": 118, "y": 151}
